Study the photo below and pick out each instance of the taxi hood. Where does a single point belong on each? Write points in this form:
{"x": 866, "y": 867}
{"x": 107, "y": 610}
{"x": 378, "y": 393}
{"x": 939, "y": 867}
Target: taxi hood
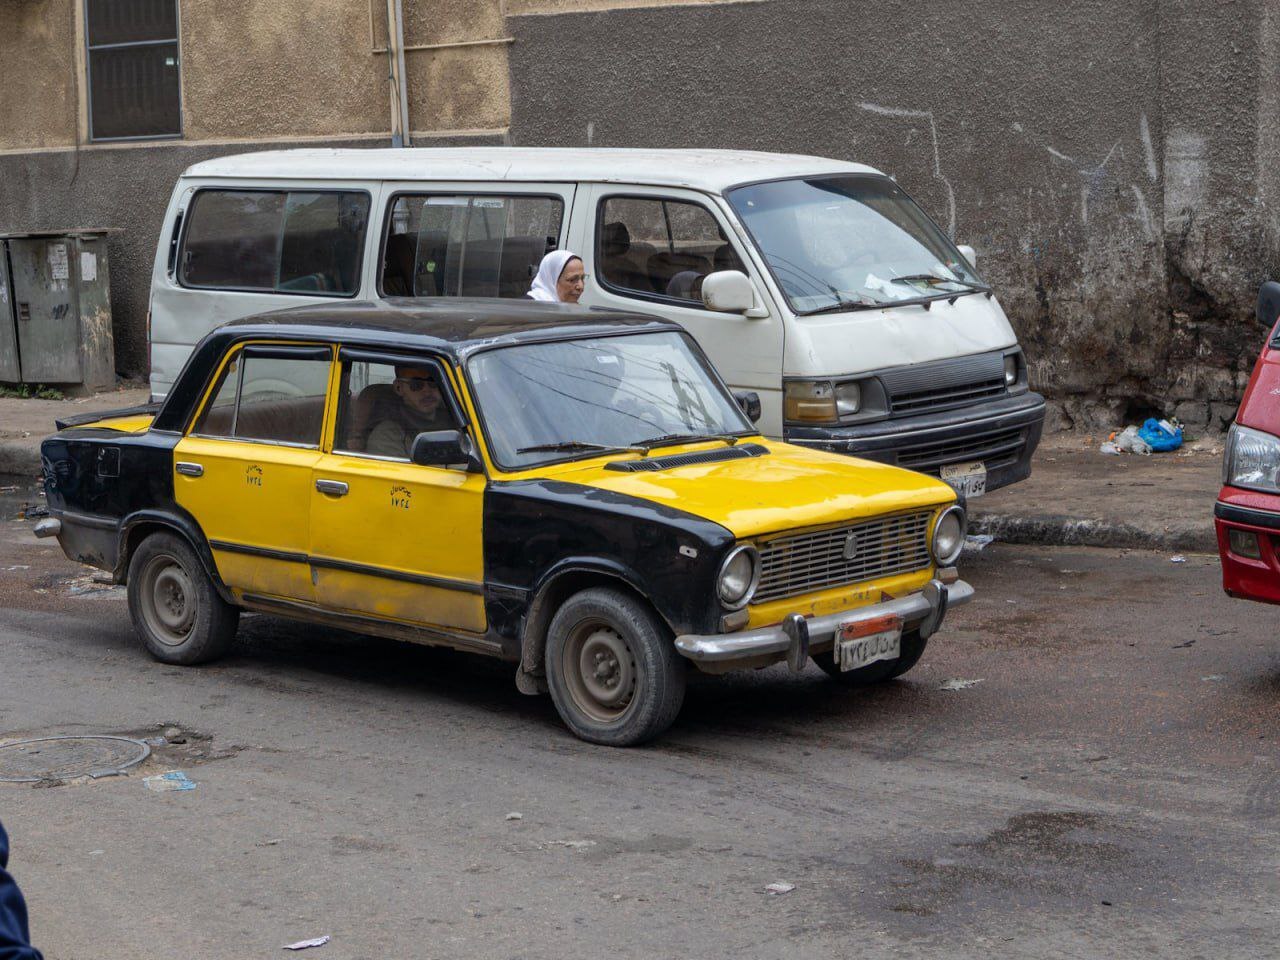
{"x": 785, "y": 488}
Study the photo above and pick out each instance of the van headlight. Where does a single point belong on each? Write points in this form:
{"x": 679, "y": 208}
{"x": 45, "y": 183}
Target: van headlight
{"x": 948, "y": 536}
{"x": 739, "y": 575}
{"x": 1251, "y": 460}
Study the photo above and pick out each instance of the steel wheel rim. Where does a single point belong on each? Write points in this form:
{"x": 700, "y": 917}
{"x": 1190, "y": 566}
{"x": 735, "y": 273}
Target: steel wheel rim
{"x": 168, "y": 600}
{"x": 600, "y": 671}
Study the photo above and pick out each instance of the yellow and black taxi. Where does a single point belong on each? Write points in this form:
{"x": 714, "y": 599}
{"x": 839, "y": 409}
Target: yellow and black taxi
{"x": 574, "y": 491}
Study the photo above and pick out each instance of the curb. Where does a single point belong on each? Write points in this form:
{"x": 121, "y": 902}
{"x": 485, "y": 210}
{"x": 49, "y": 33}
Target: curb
{"x": 18, "y": 458}
{"x": 1073, "y": 532}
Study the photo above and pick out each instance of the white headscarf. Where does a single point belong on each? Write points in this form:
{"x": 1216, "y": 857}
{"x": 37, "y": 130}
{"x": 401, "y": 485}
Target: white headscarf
{"x": 544, "y": 284}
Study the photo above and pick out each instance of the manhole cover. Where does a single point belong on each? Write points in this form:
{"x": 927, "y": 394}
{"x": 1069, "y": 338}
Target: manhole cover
{"x": 64, "y": 758}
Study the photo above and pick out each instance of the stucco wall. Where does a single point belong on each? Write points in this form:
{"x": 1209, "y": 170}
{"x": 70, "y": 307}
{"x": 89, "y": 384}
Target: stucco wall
{"x": 38, "y": 94}
{"x": 1103, "y": 158}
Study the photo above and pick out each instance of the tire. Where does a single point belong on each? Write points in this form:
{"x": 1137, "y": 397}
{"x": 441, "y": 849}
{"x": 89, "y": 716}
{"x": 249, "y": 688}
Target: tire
{"x": 637, "y": 688}
{"x": 912, "y": 649}
{"x": 174, "y": 606}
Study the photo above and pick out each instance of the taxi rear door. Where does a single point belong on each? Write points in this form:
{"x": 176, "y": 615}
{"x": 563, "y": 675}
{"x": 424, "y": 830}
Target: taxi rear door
{"x": 244, "y": 468}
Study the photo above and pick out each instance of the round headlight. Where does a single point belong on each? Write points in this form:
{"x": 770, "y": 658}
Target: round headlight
{"x": 738, "y": 576}
{"x": 948, "y": 536}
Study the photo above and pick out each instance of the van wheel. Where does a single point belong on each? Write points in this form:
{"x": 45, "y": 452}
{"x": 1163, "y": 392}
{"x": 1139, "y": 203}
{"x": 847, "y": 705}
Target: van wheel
{"x": 174, "y": 606}
{"x": 613, "y": 671}
{"x": 912, "y": 649}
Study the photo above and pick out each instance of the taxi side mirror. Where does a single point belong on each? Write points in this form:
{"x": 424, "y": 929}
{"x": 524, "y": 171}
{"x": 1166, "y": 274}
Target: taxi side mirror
{"x": 445, "y": 448}
{"x": 731, "y": 291}
{"x": 749, "y": 403}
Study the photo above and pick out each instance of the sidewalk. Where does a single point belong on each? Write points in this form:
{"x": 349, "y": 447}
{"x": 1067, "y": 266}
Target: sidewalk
{"x": 1078, "y": 496}
{"x": 25, "y": 422}
{"x": 1075, "y": 496}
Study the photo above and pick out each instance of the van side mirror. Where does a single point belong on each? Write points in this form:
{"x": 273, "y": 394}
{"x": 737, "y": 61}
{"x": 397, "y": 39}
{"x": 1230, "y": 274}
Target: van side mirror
{"x": 445, "y": 448}
{"x": 969, "y": 253}
{"x": 749, "y": 402}
{"x": 1268, "y": 309}
{"x": 731, "y": 291}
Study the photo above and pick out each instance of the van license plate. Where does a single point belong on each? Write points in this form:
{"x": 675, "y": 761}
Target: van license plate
{"x": 967, "y": 478}
{"x": 856, "y": 648}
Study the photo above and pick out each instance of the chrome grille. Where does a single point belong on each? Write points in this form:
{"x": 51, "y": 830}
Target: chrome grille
{"x": 806, "y": 562}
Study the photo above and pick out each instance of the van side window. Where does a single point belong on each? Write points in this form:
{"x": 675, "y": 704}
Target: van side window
{"x": 275, "y": 241}
{"x": 278, "y": 399}
{"x": 467, "y": 246}
{"x": 659, "y": 247}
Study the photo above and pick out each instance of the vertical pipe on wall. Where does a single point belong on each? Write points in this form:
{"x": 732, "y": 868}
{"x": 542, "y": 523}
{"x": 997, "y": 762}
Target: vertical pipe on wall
{"x": 399, "y": 89}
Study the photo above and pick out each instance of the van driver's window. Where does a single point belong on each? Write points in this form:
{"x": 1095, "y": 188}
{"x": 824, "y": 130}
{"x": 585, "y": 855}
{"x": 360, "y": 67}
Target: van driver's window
{"x": 467, "y": 246}
{"x": 278, "y": 399}
{"x": 275, "y": 241}
{"x": 657, "y": 247}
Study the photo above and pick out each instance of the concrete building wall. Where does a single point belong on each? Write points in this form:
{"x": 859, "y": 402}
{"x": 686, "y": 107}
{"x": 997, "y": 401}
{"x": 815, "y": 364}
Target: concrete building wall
{"x": 1110, "y": 162}
{"x": 38, "y": 93}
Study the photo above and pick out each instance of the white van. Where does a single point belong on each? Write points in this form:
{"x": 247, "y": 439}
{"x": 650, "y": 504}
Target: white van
{"x": 816, "y": 283}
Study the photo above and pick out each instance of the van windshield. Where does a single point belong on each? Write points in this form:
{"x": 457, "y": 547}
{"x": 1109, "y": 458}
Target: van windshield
{"x": 850, "y": 241}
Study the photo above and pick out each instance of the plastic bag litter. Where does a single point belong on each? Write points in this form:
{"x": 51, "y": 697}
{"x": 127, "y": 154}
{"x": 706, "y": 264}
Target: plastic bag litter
{"x": 1131, "y": 441}
{"x": 1110, "y": 449}
{"x": 1161, "y": 435}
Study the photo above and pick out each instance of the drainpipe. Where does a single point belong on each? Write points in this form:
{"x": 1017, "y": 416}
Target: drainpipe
{"x": 399, "y": 92}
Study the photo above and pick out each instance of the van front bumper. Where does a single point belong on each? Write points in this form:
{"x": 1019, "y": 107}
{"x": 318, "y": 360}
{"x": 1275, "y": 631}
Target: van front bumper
{"x": 796, "y": 636}
{"x": 1003, "y": 434}
{"x": 1255, "y": 517}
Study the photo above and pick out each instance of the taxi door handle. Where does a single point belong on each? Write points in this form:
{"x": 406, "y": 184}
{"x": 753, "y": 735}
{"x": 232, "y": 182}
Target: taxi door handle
{"x": 189, "y": 469}
{"x": 335, "y": 488}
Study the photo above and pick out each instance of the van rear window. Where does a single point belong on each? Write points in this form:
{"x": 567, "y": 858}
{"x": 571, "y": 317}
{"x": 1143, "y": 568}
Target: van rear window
{"x": 275, "y": 241}
{"x": 467, "y": 246}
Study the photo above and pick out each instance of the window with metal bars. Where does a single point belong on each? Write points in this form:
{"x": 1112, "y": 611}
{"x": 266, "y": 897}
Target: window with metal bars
{"x": 133, "y": 65}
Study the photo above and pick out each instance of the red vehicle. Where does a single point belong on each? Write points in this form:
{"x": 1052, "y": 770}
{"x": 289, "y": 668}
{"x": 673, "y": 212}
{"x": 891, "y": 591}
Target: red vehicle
{"x": 1247, "y": 514}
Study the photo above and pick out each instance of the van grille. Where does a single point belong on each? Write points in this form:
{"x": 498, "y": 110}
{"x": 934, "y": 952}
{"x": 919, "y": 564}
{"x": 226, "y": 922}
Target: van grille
{"x": 941, "y": 398}
{"x": 802, "y": 563}
{"x": 1000, "y": 448}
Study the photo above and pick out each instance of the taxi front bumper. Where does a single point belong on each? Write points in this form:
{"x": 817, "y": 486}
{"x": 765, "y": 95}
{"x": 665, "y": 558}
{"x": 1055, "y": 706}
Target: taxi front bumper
{"x": 923, "y": 611}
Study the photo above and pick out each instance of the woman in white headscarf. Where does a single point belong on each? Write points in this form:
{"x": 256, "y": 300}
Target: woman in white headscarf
{"x": 561, "y": 278}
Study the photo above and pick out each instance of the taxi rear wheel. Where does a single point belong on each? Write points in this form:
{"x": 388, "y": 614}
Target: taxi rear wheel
{"x": 612, "y": 669}
{"x": 912, "y": 649}
{"x": 174, "y": 606}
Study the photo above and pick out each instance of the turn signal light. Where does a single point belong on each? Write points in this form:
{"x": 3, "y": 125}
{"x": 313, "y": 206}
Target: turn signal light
{"x": 809, "y": 401}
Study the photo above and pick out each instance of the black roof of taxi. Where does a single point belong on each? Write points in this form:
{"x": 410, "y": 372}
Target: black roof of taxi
{"x": 452, "y": 327}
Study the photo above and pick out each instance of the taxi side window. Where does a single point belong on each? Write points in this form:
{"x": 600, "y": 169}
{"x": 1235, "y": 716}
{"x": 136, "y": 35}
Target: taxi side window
{"x": 655, "y": 247}
{"x": 270, "y": 395}
{"x": 383, "y": 406}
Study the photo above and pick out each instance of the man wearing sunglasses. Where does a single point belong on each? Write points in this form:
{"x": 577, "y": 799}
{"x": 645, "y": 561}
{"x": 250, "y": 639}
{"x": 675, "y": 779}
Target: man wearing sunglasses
{"x": 420, "y": 408}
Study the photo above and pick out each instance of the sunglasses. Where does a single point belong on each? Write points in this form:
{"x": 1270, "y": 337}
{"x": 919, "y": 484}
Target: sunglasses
{"x": 417, "y": 384}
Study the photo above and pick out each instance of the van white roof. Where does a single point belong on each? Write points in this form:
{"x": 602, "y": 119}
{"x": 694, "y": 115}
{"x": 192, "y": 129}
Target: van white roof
{"x": 709, "y": 170}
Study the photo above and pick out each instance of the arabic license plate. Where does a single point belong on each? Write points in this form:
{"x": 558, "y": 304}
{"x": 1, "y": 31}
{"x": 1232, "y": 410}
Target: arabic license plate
{"x": 967, "y": 478}
{"x": 866, "y": 642}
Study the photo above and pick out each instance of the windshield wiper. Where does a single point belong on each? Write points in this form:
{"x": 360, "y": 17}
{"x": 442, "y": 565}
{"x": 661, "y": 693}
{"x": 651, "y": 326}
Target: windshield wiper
{"x": 670, "y": 439}
{"x": 841, "y": 304}
{"x": 569, "y": 445}
{"x": 933, "y": 278}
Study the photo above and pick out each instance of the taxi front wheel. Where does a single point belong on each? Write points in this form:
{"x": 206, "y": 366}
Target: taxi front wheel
{"x": 174, "y": 606}
{"x": 912, "y": 650}
{"x": 613, "y": 671}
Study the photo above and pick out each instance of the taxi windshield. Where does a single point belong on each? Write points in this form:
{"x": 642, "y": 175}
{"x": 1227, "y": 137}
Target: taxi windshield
{"x": 850, "y": 241}
{"x": 554, "y": 401}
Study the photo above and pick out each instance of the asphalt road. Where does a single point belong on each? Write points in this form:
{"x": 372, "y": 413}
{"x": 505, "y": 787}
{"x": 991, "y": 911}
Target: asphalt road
{"x": 1109, "y": 788}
